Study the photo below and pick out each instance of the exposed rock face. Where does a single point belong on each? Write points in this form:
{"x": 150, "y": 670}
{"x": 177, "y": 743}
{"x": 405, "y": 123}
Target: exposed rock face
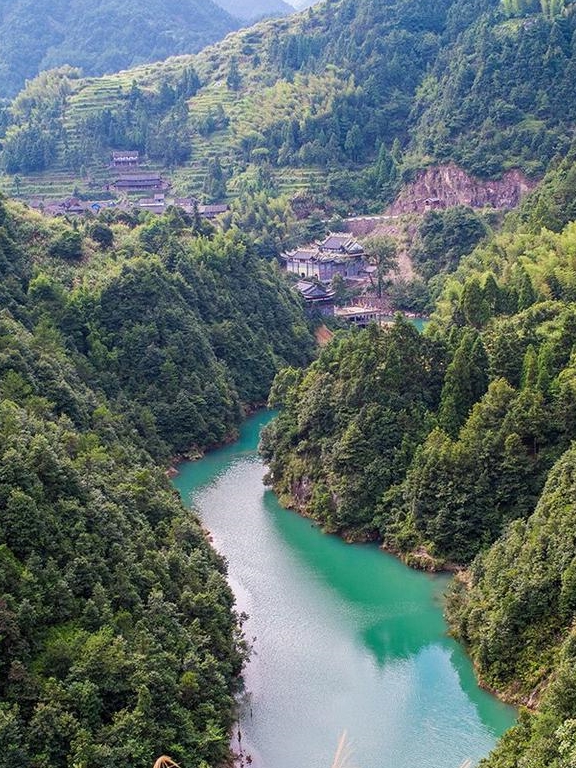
{"x": 444, "y": 186}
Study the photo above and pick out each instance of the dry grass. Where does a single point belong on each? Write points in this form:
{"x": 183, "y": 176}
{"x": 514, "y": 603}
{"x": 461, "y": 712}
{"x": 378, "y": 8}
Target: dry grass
{"x": 344, "y": 754}
{"x": 341, "y": 758}
{"x": 165, "y": 762}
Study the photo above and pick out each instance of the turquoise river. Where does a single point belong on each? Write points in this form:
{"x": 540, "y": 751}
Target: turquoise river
{"x": 346, "y": 638}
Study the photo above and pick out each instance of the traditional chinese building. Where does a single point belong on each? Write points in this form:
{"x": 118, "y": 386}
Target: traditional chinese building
{"x": 336, "y": 255}
{"x": 213, "y": 210}
{"x": 341, "y": 243}
{"x": 317, "y": 297}
{"x": 359, "y": 315}
{"x": 160, "y": 202}
{"x": 135, "y": 182}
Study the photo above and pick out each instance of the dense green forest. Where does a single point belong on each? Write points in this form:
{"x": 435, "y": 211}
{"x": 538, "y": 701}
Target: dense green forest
{"x": 130, "y": 339}
{"x": 345, "y": 100}
{"x": 122, "y": 342}
{"x": 101, "y": 36}
{"x": 456, "y": 447}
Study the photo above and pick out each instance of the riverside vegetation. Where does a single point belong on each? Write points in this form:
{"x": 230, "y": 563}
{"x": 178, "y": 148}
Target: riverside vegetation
{"x": 122, "y": 344}
{"x": 130, "y": 339}
{"x": 455, "y": 447}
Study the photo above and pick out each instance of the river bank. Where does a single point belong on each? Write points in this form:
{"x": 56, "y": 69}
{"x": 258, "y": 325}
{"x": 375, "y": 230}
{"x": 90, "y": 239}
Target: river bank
{"x": 345, "y": 637}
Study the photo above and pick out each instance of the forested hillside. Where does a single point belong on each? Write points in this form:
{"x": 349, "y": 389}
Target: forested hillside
{"x": 517, "y": 616}
{"x": 121, "y": 343}
{"x": 101, "y": 36}
{"x": 344, "y": 100}
{"x": 455, "y": 447}
{"x": 130, "y": 339}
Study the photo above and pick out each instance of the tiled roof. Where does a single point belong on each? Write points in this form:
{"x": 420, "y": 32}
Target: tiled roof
{"x": 302, "y": 255}
{"x": 312, "y": 291}
{"x": 137, "y": 177}
{"x": 215, "y": 208}
{"x": 342, "y": 242}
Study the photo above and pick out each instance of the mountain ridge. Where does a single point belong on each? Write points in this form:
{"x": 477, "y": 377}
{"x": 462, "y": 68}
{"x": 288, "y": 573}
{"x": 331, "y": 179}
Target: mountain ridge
{"x": 252, "y": 10}
{"x": 101, "y": 36}
{"x": 315, "y": 102}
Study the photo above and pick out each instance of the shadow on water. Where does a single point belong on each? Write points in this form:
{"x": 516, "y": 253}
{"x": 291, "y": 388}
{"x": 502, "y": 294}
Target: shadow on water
{"x": 393, "y": 609}
{"x": 485, "y": 703}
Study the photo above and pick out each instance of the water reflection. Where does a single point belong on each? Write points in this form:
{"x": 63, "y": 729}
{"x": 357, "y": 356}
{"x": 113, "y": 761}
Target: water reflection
{"x": 348, "y": 637}
{"x": 396, "y": 612}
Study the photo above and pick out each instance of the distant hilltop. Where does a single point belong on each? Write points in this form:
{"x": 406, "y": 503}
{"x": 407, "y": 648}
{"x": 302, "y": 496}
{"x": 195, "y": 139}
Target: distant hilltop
{"x": 101, "y": 37}
{"x": 250, "y": 10}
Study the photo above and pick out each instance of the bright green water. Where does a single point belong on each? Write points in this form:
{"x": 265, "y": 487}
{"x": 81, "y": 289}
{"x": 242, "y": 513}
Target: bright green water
{"x": 347, "y": 638}
{"x": 419, "y": 322}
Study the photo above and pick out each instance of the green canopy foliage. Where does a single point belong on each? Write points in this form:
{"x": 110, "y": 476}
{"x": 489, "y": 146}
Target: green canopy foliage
{"x": 472, "y": 466}
{"x": 119, "y": 641}
{"x": 358, "y": 93}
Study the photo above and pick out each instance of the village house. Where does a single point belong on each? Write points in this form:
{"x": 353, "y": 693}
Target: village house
{"x": 71, "y": 206}
{"x": 136, "y": 182}
{"x": 336, "y": 255}
{"x": 213, "y": 210}
{"x": 156, "y": 204}
{"x": 189, "y": 204}
{"x": 316, "y": 297}
{"x": 160, "y": 202}
{"x": 359, "y": 315}
{"x": 125, "y": 159}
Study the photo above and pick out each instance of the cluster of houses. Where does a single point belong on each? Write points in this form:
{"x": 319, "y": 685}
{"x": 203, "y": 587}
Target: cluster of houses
{"x": 130, "y": 179}
{"x": 316, "y": 266}
{"x": 73, "y": 206}
{"x": 160, "y": 202}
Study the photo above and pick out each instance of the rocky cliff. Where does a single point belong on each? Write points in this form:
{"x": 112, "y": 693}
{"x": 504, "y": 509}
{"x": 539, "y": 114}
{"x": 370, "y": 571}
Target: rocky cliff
{"x": 444, "y": 186}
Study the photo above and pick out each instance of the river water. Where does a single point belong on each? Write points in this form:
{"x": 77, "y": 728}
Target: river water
{"x": 347, "y": 638}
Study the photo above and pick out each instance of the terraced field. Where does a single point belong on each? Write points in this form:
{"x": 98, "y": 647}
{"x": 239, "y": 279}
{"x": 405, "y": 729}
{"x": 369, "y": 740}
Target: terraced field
{"x": 83, "y": 166}
{"x": 91, "y": 172}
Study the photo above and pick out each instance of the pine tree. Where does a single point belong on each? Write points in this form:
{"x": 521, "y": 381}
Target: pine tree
{"x": 530, "y": 368}
{"x": 215, "y": 182}
{"x": 353, "y": 143}
{"x": 465, "y": 383}
{"x": 526, "y": 294}
{"x": 473, "y": 304}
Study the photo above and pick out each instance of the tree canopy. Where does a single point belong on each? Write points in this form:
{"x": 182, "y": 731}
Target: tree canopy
{"x": 122, "y": 343}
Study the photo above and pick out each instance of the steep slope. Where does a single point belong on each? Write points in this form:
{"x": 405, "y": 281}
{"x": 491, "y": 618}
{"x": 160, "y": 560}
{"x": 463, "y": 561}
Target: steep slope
{"x": 101, "y": 36}
{"x": 491, "y": 389}
{"x": 516, "y": 615}
{"x": 481, "y": 474}
{"x": 121, "y": 341}
{"x": 346, "y": 100}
